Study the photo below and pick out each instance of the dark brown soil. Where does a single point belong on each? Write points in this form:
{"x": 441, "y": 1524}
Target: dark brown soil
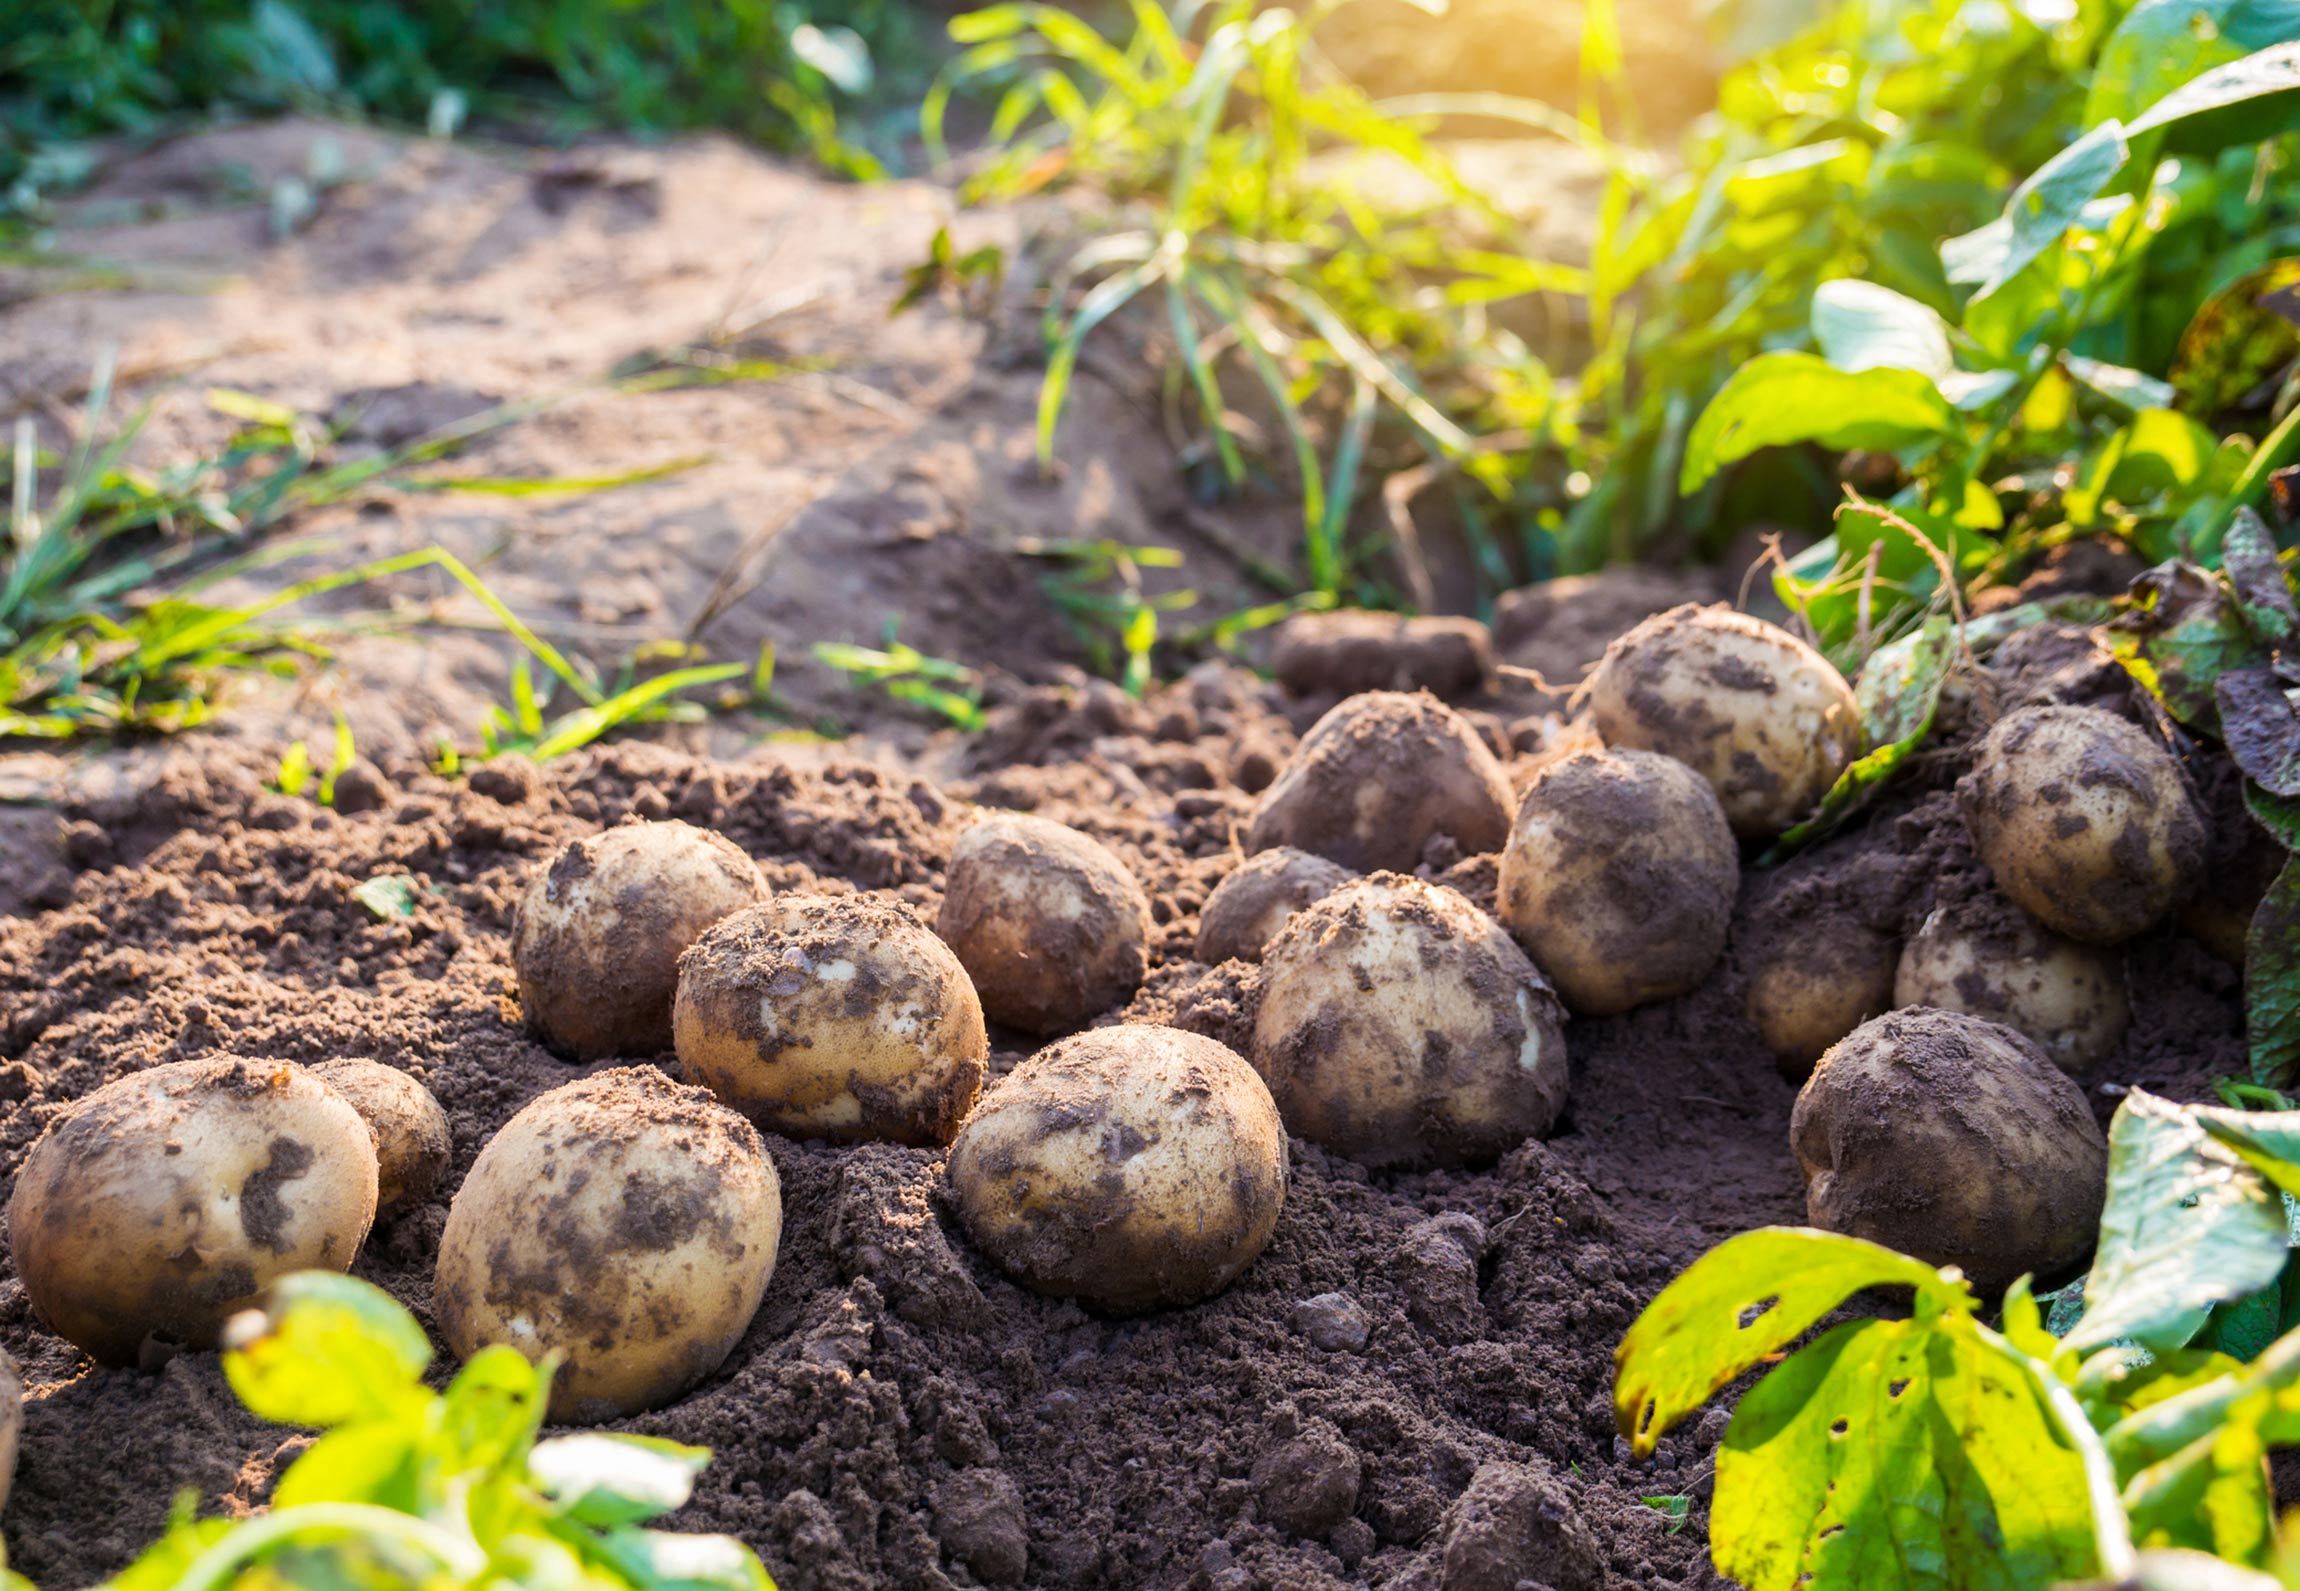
{"x": 1411, "y": 1387}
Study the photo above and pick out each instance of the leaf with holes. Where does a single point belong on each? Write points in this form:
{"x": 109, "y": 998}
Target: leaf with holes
{"x": 1897, "y": 1454}
{"x": 1741, "y": 1302}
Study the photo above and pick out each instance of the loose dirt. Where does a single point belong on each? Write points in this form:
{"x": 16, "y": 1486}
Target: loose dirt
{"x": 1411, "y": 1388}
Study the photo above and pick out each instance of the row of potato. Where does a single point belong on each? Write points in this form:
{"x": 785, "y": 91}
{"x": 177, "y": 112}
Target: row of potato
{"x": 631, "y": 1224}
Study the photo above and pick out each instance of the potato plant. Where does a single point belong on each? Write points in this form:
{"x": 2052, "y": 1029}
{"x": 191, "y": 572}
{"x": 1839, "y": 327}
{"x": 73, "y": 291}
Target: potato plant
{"x": 447, "y": 1490}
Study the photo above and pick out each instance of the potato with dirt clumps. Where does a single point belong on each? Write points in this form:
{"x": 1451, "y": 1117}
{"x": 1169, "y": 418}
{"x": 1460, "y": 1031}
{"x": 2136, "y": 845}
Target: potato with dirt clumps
{"x": 1130, "y": 1168}
{"x": 1400, "y": 1026}
{"x": 1049, "y": 923}
{"x": 1378, "y": 778}
{"x": 1260, "y": 896}
{"x": 1768, "y": 721}
{"x": 597, "y": 940}
{"x": 1818, "y": 976}
{"x": 164, "y": 1201}
{"x": 626, "y": 1222}
{"x": 410, "y": 1128}
{"x": 1619, "y": 878}
{"x": 1955, "y": 1140}
{"x": 2085, "y": 822}
{"x": 1986, "y": 957}
{"x": 834, "y": 1017}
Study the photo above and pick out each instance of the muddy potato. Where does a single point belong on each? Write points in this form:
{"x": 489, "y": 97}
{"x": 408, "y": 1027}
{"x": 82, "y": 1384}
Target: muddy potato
{"x": 411, "y": 1139}
{"x": 1048, "y": 922}
{"x": 2084, "y": 821}
{"x": 1817, "y": 977}
{"x": 1260, "y": 896}
{"x": 1378, "y": 778}
{"x": 1955, "y": 1140}
{"x": 1129, "y": 1168}
{"x": 1988, "y": 958}
{"x": 11, "y": 1422}
{"x": 1767, "y": 720}
{"x": 833, "y": 1017}
{"x": 596, "y": 942}
{"x": 1400, "y": 1026}
{"x": 1619, "y": 878}
{"x": 164, "y": 1201}
{"x": 626, "y": 1221}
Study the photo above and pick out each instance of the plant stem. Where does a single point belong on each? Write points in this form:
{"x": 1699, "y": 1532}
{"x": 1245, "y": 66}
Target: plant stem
{"x": 2277, "y": 449}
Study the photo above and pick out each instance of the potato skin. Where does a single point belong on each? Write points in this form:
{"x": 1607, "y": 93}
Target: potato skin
{"x": 1048, "y": 922}
{"x": 1619, "y": 878}
{"x": 2083, "y": 821}
{"x": 834, "y": 1017}
{"x": 1955, "y": 1140}
{"x": 1400, "y": 1026}
{"x": 167, "y": 1199}
{"x": 1130, "y": 1168}
{"x": 1260, "y": 896}
{"x": 624, "y": 1220}
{"x": 596, "y": 942}
{"x": 411, "y": 1137}
{"x": 1378, "y": 778}
{"x": 1818, "y": 978}
{"x": 1988, "y": 958}
{"x": 1768, "y": 721}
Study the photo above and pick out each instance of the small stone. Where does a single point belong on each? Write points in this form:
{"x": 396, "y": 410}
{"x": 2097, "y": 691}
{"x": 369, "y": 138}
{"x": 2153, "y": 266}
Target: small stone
{"x": 508, "y": 781}
{"x": 1309, "y": 1485}
{"x": 1334, "y": 1322}
{"x": 361, "y": 787}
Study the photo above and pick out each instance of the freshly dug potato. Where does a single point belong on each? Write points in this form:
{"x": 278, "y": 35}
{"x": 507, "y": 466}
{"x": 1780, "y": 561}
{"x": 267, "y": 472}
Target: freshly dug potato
{"x": 834, "y": 1017}
{"x": 1260, "y": 896}
{"x": 411, "y": 1139}
{"x": 1988, "y": 958}
{"x": 1955, "y": 1140}
{"x": 1400, "y": 1026}
{"x": 1818, "y": 977}
{"x": 11, "y": 1422}
{"x": 626, "y": 1221}
{"x": 1619, "y": 878}
{"x": 1378, "y": 778}
{"x": 1049, "y": 923}
{"x": 2084, "y": 821}
{"x": 597, "y": 940}
{"x": 1352, "y": 651}
{"x": 1755, "y": 711}
{"x": 1130, "y": 1168}
{"x": 164, "y": 1201}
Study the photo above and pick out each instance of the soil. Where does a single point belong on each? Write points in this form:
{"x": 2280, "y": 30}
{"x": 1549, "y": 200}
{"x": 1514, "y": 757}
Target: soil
{"x": 1410, "y": 1388}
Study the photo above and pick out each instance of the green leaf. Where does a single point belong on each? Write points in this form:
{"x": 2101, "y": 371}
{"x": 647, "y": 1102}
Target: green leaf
{"x": 373, "y": 1461}
{"x": 1901, "y": 1454}
{"x": 2272, "y": 983}
{"x": 2236, "y": 341}
{"x": 2162, "y": 44}
{"x": 2244, "y": 102}
{"x": 294, "y": 770}
{"x": 1861, "y": 326}
{"x": 1781, "y": 398}
{"x": 389, "y": 895}
{"x": 2188, "y": 1224}
{"x": 492, "y": 1409}
{"x": 1899, "y": 691}
{"x": 660, "y": 1561}
{"x": 2045, "y": 206}
{"x": 324, "y": 1349}
{"x": 2184, "y": 634}
{"x": 603, "y": 1479}
{"x": 1739, "y": 1303}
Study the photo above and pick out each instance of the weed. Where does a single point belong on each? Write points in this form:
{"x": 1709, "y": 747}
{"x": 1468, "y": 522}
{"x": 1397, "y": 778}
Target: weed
{"x": 1674, "y": 1507}
{"x": 950, "y": 691}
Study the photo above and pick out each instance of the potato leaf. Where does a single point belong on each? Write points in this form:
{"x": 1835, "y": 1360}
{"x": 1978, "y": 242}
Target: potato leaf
{"x": 604, "y": 1479}
{"x": 1861, "y": 326}
{"x": 2272, "y": 984}
{"x": 2162, "y": 44}
{"x": 1780, "y": 398}
{"x": 2257, "y": 580}
{"x": 2043, "y": 208}
{"x": 2243, "y": 102}
{"x": 324, "y": 1349}
{"x": 1903, "y": 1454}
{"x": 2182, "y": 635}
{"x": 1739, "y": 1303}
{"x": 2188, "y": 1225}
{"x": 1899, "y": 692}
{"x": 2237, "y": 341}
{"x": 2260, "y": 725}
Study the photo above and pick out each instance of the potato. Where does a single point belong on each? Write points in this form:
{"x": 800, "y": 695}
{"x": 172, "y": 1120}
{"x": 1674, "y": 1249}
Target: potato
{"x": 1049, "y": 924}
{"x": 625, "y": 1221}
{"x": 1354, "y": 650}
{"x": 11, "y": 1422}
{"x": 1988, "y": 958}
{"x": 1619, "y": 878}
{"x": 411, "y": 1138}
{"x": 1817, "y": 977}
{"x": 1378, "y": 778}
{"x": 832, "y": 1017}
{"x": 166, "y": 1200}
{"x": 1955, "y": 1140}
{"x": 1260, "y": 896}
{"x": 1130, "y": 1168}
{"x": 597, "y": 940}
{"x": 2084, "y": 821}
{"x": 1755, "y": 711}
{"x": 1400, "y": 1026}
